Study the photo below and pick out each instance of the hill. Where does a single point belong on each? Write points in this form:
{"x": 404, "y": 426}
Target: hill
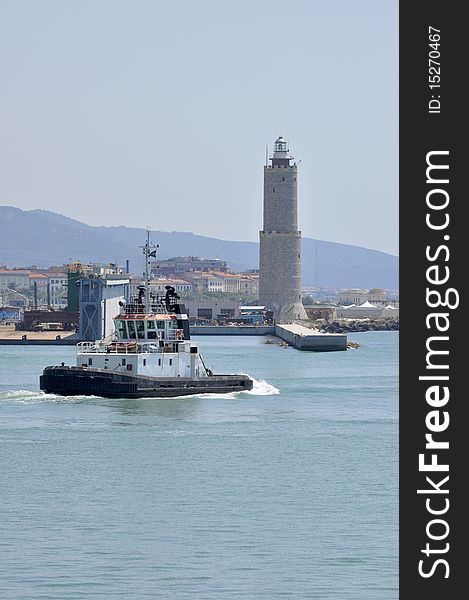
{"x": 45, "y": 238}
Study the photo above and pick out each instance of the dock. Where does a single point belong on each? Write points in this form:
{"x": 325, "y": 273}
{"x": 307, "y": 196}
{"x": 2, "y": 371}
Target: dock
{"x": 9, "y": 336}
{"x": 303, "y": 338}
{"x": 35, "y": 342}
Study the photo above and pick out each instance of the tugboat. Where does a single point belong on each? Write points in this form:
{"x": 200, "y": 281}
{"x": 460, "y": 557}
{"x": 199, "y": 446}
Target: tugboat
{"x": 150, "y": 354}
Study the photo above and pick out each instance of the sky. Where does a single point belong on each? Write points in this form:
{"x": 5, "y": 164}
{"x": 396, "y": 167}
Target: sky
{"x": 157, "y": 114}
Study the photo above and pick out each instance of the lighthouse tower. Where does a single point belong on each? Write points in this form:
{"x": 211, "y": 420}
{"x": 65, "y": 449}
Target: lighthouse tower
{"x": 280, "y": 240}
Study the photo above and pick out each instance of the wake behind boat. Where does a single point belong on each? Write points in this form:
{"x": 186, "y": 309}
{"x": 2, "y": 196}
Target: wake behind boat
{"x": 149, "y": 355}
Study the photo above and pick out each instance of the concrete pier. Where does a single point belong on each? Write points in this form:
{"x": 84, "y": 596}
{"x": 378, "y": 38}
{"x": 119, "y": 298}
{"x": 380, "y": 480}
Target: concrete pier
{"x": 303, "y": 338}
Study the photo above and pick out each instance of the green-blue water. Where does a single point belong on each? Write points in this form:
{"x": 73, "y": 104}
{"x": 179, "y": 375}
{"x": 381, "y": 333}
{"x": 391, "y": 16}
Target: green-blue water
{"x": 249, "y": 497}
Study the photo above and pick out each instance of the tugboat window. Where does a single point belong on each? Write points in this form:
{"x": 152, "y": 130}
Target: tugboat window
{"x": 140, "y": 329}
{"x": 131, "y": 326}
{"x": 121, "y": 333}
{"x": 151, "y": 332}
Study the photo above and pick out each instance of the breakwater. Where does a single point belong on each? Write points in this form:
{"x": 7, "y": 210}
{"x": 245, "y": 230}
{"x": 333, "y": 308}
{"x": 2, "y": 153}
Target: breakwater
{"x": 349, "y": 326}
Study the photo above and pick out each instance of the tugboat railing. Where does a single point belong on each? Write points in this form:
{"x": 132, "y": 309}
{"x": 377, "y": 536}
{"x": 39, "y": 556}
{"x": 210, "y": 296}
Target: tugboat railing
{"x": 119, "y": 347}
{"x": 134, "y": 308}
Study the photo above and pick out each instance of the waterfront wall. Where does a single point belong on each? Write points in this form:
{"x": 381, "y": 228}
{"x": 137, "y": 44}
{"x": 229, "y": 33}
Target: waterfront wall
{"x": 232, "y": 330}
{"x": 33, "y": 342}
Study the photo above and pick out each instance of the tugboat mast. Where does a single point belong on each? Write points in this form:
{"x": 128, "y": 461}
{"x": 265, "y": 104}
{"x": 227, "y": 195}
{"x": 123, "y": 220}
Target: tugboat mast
{"x": 149, "y": 250}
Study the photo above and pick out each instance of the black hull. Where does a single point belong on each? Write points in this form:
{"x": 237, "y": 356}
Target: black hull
{"x": 83, "y": 381}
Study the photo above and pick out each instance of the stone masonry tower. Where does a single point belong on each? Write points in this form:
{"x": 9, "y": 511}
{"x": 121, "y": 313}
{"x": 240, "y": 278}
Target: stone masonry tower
{"x": 280, "y": 240}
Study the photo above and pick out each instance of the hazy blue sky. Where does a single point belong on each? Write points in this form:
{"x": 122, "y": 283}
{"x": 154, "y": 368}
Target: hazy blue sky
{"x": 151, "y": 113}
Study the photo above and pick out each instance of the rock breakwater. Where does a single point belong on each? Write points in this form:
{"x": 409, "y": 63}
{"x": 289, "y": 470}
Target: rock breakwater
{"x": 354, "y": 325}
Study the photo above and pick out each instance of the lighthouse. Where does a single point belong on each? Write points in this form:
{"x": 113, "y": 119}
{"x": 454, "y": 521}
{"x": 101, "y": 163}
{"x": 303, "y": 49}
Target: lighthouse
{"x": 280, "y": 240}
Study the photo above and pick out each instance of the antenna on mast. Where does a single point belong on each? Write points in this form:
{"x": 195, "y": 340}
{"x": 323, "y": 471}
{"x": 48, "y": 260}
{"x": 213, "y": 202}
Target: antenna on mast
{"x": 266, "y": 155}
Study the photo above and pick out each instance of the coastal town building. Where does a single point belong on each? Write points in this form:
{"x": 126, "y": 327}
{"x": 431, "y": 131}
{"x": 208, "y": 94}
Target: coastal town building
{"x": 211, "y": 310}
{"x": 376, "y": 296}
{"x": 15, "y": 279}
{"x": 249, "y": 285}
{"x": 57, "y": 289}
{"x": 68, "y": 287}
{"x": 197, "y": 281}
{"x": 205, "y": 281}
{"x": 352, "y": 296}
{"x": 186, "y": 264}
{"x": 227, "y": 283}
{"x": 180, "y": 285}
{"x": 33, "y": 286}
{"x": 39, "y": 282}
{"x": 230, "y": 282}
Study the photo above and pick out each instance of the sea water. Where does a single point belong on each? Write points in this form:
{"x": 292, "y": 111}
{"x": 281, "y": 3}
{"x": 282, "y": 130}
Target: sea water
{"x": 288, "y": 491}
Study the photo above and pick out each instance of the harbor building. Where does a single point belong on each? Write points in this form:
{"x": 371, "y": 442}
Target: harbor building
{"x": 280, "y": 240}
{"x": 99, "y": 302}
{"x": 357, "y": 296}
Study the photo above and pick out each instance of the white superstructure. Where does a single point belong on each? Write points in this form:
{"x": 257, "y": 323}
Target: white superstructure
{"x": 145, "y": 344}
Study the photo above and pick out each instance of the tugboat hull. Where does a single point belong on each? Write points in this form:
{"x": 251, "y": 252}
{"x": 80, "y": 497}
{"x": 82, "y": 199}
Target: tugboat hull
{"x": 84, "y": 381}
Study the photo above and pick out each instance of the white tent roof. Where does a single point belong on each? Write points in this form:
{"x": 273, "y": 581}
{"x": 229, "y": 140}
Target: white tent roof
{"x": 367, "y": 305}
{"x": 389, "y": 307}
